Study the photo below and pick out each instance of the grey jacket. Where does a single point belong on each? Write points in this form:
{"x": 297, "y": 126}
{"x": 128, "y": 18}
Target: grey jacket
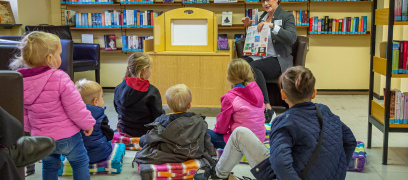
{"x": 282, "y": 42}
{"x": 183, "y": 139}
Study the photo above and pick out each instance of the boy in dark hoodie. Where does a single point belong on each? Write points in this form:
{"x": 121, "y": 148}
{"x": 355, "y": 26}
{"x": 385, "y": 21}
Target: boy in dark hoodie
{"x": 98, "y": 144}
{"x": 178, "y": 136}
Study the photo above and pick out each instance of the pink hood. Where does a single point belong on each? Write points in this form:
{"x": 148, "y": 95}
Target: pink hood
{"x": 52, "y": 105}
{"x": 242, "y": 106}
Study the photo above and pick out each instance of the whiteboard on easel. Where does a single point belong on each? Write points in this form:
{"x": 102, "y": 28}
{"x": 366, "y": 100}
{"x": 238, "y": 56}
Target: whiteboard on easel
{"x": 189, "y": 32}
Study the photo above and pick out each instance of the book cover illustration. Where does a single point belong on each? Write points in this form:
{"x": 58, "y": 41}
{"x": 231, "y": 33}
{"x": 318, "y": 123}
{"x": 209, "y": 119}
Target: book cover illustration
{"x": 70, "y": 18}
{"x": 223, "y": 42}
{"x": 256, "y": 43}
{"x": 226, "y": 18}
{"x": 110, "y": 42}
{"x": 238, "y": 37}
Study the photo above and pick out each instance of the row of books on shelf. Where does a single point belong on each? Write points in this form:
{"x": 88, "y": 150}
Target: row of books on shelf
{"x": 111, "y": 19}
{"x": 348, "y": 25}
{"x": 87, "y": 1}
{"x": 301, "y": 17}
{"x": 196, "y": 1}
{"x": 253, "y": 15}
{"x": 401, "y": 10}
{"x": 340, "y": 0}
{"x": 399, "y": 57}
{"x": 398, "y": 107}
{"x": 137, "y": 1}
{"x": 133, "y": 43}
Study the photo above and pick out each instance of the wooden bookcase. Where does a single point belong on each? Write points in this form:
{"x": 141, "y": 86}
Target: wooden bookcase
{"x": 379, "y": 115}
{"x": 237, "y": 8}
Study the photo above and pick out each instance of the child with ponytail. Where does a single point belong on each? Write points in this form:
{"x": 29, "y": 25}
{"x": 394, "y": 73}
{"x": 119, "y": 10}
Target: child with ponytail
{"x": 241, "y": 106}
{"x": 136, "y": 101}
{"x": 52, "y": 105}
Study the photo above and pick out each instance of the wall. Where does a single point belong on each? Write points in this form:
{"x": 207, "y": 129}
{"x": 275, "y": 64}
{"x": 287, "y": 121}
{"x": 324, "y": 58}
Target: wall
{"x": 15, "y": 31}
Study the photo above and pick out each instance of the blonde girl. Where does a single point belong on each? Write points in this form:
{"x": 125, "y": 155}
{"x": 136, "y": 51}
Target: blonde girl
{"x": 241, "y": 106}
{"x": 52, "y": 105}
{"x": 136, "y": 101}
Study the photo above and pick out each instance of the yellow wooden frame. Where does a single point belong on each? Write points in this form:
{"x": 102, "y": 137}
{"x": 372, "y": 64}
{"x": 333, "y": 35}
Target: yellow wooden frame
{"x": 162, "y": 31}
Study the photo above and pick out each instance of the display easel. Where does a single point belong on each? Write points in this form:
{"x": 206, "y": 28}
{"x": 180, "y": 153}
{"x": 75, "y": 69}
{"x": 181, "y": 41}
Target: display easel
{"x": 201, "y": 67}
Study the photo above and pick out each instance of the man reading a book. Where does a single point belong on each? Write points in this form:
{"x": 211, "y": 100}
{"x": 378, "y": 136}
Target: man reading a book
{"x": 281, "y": 37}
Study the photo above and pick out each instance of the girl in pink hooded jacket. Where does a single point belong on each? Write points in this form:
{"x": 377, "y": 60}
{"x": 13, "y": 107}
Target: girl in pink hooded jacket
{"x": 241, "y": 106}
{"x": 52, "y": 105}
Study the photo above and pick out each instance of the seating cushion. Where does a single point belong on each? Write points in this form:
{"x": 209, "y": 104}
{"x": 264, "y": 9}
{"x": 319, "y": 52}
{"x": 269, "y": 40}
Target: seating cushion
{"x": 113, "y": 165}
{"x": 168, "y": 171}
{"x": 358, "y": 159}
{"x": 131, "y": 143}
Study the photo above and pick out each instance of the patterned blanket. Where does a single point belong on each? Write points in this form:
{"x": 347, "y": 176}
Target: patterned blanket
{"x": 170, "y": 171}
{"x": 113, "y": 165}
{"x": 131, "y": 143}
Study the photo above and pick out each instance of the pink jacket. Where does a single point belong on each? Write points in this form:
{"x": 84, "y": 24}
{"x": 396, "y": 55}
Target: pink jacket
{"x": 242, "y": 106}
{"x": 52, "y": 105}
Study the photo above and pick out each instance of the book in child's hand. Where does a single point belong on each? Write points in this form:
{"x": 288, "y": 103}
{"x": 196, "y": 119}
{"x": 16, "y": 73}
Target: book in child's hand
{"x": 238, "y": 37}
{"x": 70, "y": 17}
{"x": 256, "y": 43}
{"x": 110, "y": 42}
{"x": 223, "y": 42}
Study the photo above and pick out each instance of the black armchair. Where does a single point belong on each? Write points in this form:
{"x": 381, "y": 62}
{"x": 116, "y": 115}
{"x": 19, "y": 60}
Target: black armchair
{"x": 11, "y": 98}
{"x": 85, "y": 56}
{"x": 299, "y": 50}
{"x": 9, "y": 50}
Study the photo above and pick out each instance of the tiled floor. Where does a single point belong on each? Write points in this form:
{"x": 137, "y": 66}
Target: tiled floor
{"x": 352, "y": 111}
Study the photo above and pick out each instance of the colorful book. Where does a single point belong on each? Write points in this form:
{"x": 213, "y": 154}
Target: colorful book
{"x": 223, "y": 42}
{"x": 110, "y": 42}
{"x": 397, "y": 10}
{"x": 392, "y": 107}
{"x": 405, "y": 59}
{"x": 70, "y": 18}
{"x": 397, "y": 106}
{"x": 395, "y": 57}
{"x": 404, "y": 11}
{"x": 405, "y": 108}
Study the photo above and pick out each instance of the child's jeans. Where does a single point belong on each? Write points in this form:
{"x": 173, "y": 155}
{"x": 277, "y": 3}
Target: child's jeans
{"x": 73, "y": 148}
{"x": 241, "y": 142}
{"x": 217, "y": 139}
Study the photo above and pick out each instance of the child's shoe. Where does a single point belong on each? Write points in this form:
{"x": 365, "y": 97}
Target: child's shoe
{"x": 210, "y": 173}
{"x": 269, "y": 115}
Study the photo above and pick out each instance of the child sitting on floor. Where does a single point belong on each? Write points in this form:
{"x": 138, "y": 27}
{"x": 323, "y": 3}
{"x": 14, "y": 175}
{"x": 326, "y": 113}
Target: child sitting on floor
{"x": 177, "y": 137}
{"x": 293, "y": 139}
{"x": 243, "y": 105}
{"x": 136, "y": 101}
{"x": 98, "y": 144}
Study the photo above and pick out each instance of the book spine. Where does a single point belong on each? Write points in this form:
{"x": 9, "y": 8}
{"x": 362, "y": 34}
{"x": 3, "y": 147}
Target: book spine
{"x": 77, "y": 20}
{"x": 326, "y": 24}
{"x": 397, "y": 10}
{"x": 395, "y": 57}
{"x": 405, "y": 108}
{"x": 316, "y": 24}
{"x": 125, "y": 18}
{"x": 89, "y": 17}
{"x": 151, "y": 18}
{"x": 402, "y": 102}
{"x": 401, "y": 57}
{"x": 311, "y": 26}
{"x": 138, "y": 19}
{"x": 405, "y": 59}
{"x": 121, "y": 19}
{"x": 330, "y": 22}
{"x": 141, "y": 19}
{"x": 397, "y": 106}
{"x": 404, "y": 13}
{"x": 319, "y": 26}
{"x": 392, "y": 107}
{"x": 348, "y": 25}
{"x": 124, "y": 43}
{"x": 106, "y": 37}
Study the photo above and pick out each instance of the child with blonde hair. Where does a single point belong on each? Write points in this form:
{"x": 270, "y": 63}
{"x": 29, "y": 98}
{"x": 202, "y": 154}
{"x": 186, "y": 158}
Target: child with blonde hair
{"x": 52, "y": 105}
{"x": 136, "y": 101}
{"x": 241, "y": 106}
{"x": 98, "y": 144}
{"x": 307, "y": 141}
{"x": 178, "y": 136}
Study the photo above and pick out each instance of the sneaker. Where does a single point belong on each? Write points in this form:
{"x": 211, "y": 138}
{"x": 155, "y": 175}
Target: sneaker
{"x": 269, "y": 115}
{"x": 209, "y": 173}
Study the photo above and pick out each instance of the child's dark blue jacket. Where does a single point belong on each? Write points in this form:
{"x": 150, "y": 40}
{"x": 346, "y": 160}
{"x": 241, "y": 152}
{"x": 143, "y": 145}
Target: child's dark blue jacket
{"x": 98, "y": 143}
{"x": 293, "y": 140}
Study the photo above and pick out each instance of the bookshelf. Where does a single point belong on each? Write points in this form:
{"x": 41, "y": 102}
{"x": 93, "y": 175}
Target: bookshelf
{"x": 378, "y": 114}
{"x": 368, "y": 34}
